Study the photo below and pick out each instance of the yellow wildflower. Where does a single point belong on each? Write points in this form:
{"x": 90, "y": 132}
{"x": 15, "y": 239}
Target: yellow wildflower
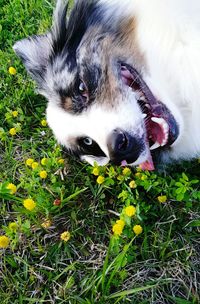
{"x": 15, "y": 113}
{"x": 43, "y": 174}
{"x": 29, "y": 204}
{"x": 4, "y": 241}
{"x": 44, "y": 122}
{"x": 44, "y": 161}
{"x": 130, "y": 211}
{"x": 61, "y": 161}
{"x": 120, "y": 177}
{"x": 126, "y": 171}
{"x": 117, "y": 229}
{"x": 121, "y": 223}
{"x": 137, "y": 229}
{"x": 162, "y": 198}
{"x": 13, "y": 131}
{"x": 12, "y": 71}
{"x": 100, "y": 179}
{"x": 132, "y": 184}
{"x": 29, "y": 162}
{"x": 46, "y": 224}
{"x": 34, "y": 165}
{"x": 13, "y": 226}
{"x": 12, "y": 188}
{"x": 65, "y": 236}
{"x": 95, "y": 171}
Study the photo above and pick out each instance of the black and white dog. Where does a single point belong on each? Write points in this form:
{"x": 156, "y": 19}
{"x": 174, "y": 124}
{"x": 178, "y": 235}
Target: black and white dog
{"x": 122, "y": 79}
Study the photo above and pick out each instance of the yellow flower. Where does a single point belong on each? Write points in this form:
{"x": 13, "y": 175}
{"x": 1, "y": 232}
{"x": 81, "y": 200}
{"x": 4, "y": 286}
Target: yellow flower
{"x": 12, "y": 188}
{"x": 43, "y": 174}
{"x": 162, "y": 198}
{"x": 44, "y": 161}
{"x": 29, "y": 162}
{"x": 120, "y": 177}
{"x": 121, "y": 223}
{"x": 138, "y": 174}
{"x": 137, "y": 229}
{"x": 132, "y": 184}
{"x": 46, "y": 224}
{"x": 126, "y": 171}
{"x": 130, "y": 211}
{"x": 95, "y": 171}
{"x": 44, "y": 122}
{"x": 4, "y": 241}
{"x": 100, "y": 180}
{"x": 61, "y": 161}
{"x": 13, "y": 131}
{"x": 15, "y": 113}
{"x": 29, "y": 204}
{"x": 34, "y": 165}
{"x": 117, "y": 229}
{"x": 12, "y": 71}
{"x": 65, "y": 236}
{"x": 13, "y": 226}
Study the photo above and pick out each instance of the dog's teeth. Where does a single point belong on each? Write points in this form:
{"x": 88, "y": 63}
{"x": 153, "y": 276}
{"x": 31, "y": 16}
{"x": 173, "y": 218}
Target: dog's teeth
{"x": 165, "y": 140}
{"x": 161, "y": 122}
{"x": 144, "y": 115}
{"x": 158, "y": 120}
{"x": 155, "y": 146}
{"x": 164, "y": 126}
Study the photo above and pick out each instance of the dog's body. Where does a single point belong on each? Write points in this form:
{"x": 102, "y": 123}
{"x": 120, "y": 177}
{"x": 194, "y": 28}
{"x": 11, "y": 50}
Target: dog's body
{"x": 122, "y": 76}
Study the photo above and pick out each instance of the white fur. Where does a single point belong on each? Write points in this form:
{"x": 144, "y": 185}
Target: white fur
{"x": 170, "y": 39}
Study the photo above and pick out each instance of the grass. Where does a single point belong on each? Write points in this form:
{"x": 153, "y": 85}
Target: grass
{"x": 160, "y": 265}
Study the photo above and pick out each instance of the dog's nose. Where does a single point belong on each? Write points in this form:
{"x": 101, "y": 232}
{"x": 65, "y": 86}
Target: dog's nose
{"x": 124, "y": 146}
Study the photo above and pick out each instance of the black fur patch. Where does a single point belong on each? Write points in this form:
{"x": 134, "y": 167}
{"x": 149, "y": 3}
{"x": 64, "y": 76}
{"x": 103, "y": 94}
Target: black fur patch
{"x": 93, "y": 149}
{"x": 91, "y": 77}
{"x": 68, "y": 35}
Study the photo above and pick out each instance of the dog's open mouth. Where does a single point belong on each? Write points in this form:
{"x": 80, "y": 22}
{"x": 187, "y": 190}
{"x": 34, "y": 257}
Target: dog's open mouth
{"x": 161, "y": 127}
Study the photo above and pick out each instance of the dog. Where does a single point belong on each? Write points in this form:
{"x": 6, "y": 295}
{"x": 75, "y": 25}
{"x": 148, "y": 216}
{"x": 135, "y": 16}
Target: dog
{"x": 122, "y": 79}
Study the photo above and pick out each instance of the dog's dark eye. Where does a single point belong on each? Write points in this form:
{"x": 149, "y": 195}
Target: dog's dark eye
{"x": 87, "y": 146}
{"x": 87, "y": 141}
{"x": 83, "y": 89}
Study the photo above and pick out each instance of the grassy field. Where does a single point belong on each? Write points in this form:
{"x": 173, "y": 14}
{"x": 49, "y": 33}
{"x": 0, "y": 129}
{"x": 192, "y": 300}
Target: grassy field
{"x": 60, "y": 235}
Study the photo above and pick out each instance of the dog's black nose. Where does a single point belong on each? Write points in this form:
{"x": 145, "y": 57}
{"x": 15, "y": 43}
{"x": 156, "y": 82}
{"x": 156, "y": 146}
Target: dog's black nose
{"x": 124, "y": 146}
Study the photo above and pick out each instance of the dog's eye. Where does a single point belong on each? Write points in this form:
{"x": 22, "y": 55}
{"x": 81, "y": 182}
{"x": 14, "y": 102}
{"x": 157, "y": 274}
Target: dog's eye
{"x": 83, "y": 89}
{"x": 88, "y": 141}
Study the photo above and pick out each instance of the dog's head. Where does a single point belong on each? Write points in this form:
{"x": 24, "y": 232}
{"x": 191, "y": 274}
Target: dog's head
{"x": 89, "y": 69}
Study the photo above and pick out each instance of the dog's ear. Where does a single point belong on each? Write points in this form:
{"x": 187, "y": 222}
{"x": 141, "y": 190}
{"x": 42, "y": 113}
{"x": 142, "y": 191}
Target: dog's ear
{"x": 62, "y": 40}
{"x": 35, "y": 52}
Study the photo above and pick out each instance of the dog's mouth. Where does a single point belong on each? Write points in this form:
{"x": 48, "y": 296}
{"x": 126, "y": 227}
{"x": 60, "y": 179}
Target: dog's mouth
{"x": 161, "y": 127}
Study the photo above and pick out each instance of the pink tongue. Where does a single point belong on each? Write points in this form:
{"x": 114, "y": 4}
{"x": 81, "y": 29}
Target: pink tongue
{"x": 124, "y": 163}
{"x": 148, "y": 164}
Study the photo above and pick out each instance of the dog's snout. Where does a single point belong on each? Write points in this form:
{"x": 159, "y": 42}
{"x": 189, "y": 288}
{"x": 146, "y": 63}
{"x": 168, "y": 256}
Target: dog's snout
{"x": 123, "y": 146}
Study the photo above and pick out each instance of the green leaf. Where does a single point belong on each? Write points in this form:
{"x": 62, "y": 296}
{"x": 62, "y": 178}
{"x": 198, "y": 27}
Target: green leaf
{"x": 180, "y": 197}
{"x": 180, "y": 301}
{"x": 125, "y": 293}
{"x": 72, "y": 196}
{"x": 185, "y": 177}
{"x": 194, "y": 223}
